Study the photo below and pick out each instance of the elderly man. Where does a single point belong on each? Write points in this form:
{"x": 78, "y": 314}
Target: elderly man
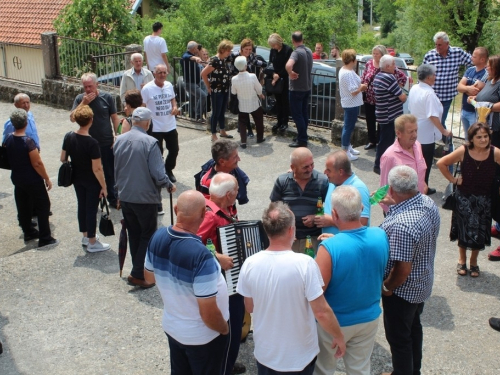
{"x": 225, "y": 159}
{"x": 22, "y": 101}
{"x": 139, "y": 176}
{"x": 220, "y": 211}
{"x": 159, "y": 97}
{"x": 285, "y": 309}
{"x": 352, "y": 285}
{"x": 155, "y": 48}
{"x": 405, "y": 150}
{"x": 300, "y": 189}
{"x": 339, "y": 173}
{"x": 447, "y": 61}
{"x": 193, "y": 291}
{"x": 191, "y": 72}
{"x": 135, "y": 78}
{"x": 412, "y": 226}
{"x": 104, "y": 108}
{"x": 389, "y": 99}
{"x": 470, "y": 85}
{"x": 299, "y": 68}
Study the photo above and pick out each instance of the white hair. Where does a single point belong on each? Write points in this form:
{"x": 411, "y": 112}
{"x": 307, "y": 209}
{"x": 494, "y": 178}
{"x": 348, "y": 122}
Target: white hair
{"x": 160, "y": 66}
{"x": 20, "y": 96}
{"x": 346, "y": 201}
{"x": 386, "y": 61}
{"x": 441, "y": 35}
{"x": 191, "y": 45}
{"x": 89, "y": 77}
{"x": 221, "y": 184}
{"x": 134, "y": 55}
{"x": 403, "y": 179}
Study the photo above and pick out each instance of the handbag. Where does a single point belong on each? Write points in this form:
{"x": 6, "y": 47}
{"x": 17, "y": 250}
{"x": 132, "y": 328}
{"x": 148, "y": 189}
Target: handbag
{"x": 449, "y": 198}
{"x": 65, "y": 177}
{"x": 276, "y": 89}
{"x": 495, "y": 199}
{"x": 234, "y": 104}
{"x": 105, "y": 225}
{"x": 4, "y": 159}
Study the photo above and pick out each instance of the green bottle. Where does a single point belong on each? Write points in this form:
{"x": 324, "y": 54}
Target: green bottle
{"x": 309, "y": 250}
{"x": 379, "y": 195}
{"x": 211, "y": 246}
{"x": 320, "y": 211}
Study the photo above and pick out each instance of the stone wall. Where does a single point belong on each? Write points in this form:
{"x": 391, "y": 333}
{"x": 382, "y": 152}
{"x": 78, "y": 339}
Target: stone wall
{"x": 9, "y": 89}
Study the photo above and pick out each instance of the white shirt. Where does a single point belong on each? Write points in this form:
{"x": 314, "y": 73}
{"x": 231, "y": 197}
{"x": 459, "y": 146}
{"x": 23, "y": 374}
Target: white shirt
{"x": 281, "y": 284}
{"x": 349, "y": 82}
{"x": 158, "y": 101}
{"x": 154, "y": 46}
{"x": 247, "y": 87}
{"x": 424, "y": 103}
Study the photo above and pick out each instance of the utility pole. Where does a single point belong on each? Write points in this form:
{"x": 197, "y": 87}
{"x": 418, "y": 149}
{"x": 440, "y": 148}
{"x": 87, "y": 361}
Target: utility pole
{"x": 360, "y": 16}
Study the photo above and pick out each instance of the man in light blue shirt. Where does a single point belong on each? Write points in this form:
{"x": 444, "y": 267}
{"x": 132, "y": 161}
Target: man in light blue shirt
{"x": 339, "y": 172}
{"x": 22, "y": 101}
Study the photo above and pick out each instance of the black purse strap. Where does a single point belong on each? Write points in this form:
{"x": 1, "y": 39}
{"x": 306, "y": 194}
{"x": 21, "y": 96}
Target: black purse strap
{"x": 104, "y": 203}
{"x": 457, "y": 167}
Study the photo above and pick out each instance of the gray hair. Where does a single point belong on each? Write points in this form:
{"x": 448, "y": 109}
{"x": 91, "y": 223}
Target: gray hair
{"x": 403, "y": 180}
{"x": 134, "y": 55}
{"x": 425, "y": 70}
{"x": 221, "y": 184}
{"x": 160, "y": 66}
{"x": 277, "y": 218}
{"x": 380, "y": 48}
{"x": 346, "y": 200}
{"x": 19, "y": 118}
{"x": 191, "y": 45}
{"x": 20, "y": 96}
{"x": 275, "y": 39}
{"x": 441, "y": 35}
{"x": 89, "y": 77}
{"x": 340, "y": 161}
{"x": 386, "y": 61}
{"x": 222, "y": 149}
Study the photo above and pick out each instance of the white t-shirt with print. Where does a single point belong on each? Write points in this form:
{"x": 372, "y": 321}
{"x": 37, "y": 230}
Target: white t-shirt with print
{"x": 158, "y": 101}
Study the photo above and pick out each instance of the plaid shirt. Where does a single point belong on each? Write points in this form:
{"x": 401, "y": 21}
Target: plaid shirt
{"x": 447, "y": 70}
{"x": 413, "y": 227}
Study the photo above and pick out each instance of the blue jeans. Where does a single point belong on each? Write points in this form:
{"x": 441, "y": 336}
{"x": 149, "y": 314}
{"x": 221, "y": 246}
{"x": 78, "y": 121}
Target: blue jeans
{"x": 219, "y": 105}
{"x": 387, "y": 136}
{"x": 236, "y": 316}
{"x": 468, "y": 118}
{"x": 299, "y": 101}
{"x": 197, "y": 99}
{"x": 350, "y": 118}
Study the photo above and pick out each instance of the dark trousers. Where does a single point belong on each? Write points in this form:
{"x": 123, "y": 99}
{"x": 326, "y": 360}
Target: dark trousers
{"x": 108, "y": 166}
{"x": 87, "y": 196}
{"x": 387, "y": 136}
{"x": 197, "y": 359}
{"x": 236, "y": 316}
{"x": 404, "y": 334}
{"x": 308, "y": 370}
{"x": 141, "y": 222}
{"x": 299, "y": 101}
{"x": 29, "y": 198}
{"x": 219, "y": 105}
{"x": 283, "y": 105}
{"x": 171, "y": 139}
{"x": 428, "y": 154}
{"x": 244, "y": 122}
{"x": 371, "y": 123}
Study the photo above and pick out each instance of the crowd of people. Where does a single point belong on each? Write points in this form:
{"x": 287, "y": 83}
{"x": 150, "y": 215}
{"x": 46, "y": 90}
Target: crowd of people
{"x": 304, "y": 316}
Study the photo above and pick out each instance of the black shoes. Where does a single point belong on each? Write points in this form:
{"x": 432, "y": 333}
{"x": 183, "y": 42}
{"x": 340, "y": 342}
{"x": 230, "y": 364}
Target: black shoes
{"x": 369, "y": 146}
{"x": 275, "y": 128}
{"x": 243, "y": 145}
{"x": 495, "y": 323}
{"x": 238, "y": 368}
{"x": 171, "y": 176}
{"x": 283, "y": 128}
{"x": 297, "y": 144}
{"x": 376, "y": 170}
{"x": 43, "y": 243}
{"x": 31, "y": 236}
{"x": 261, "y": 140}
{"x": 431, "y": 191}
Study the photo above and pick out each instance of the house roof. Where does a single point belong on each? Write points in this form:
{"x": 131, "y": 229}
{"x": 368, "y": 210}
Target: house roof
{"x": 22, "y": 21}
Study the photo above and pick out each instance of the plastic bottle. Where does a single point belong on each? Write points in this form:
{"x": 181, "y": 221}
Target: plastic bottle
{"x": 211, "y": 246}
{"x": 379, "y": 195}
{"x": 319, "y": 207}
{"x": 309, "y": 247}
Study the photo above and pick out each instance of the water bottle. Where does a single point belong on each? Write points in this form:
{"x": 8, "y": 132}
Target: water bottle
{"x": 211, "y": 246}
{"x": 379, "y": 195}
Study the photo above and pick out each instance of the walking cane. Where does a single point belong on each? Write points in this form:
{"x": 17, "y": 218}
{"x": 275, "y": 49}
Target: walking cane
{"x": 171, "y": 209}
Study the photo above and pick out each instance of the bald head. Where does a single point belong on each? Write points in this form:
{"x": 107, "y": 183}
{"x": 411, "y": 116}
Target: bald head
{"x": 340, "y": 160}
{"x": 302, "y": 164}
{"x": 299, "y": 154}
{"x": 190, "y": 208}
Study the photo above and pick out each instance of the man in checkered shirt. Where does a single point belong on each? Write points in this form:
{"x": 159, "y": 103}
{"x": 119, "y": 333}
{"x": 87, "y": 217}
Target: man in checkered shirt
{"x": 412, "y": 226}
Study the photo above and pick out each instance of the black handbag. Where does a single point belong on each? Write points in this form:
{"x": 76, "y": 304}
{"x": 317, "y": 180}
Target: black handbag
{"x": 276, "y": 89}
{"x": 4, "y": 159}
{"x": 449, "y": 198}
{"x": 234, "y": 104}
{"x": 65, "y": 177}
{"x": 105, "y": 225}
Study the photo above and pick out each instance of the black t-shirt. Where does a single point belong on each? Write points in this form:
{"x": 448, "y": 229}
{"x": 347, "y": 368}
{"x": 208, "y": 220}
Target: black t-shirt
{"x": 103, "y": 107}
{"x": 81, "y": 149}
{"x": 18, "y": 149}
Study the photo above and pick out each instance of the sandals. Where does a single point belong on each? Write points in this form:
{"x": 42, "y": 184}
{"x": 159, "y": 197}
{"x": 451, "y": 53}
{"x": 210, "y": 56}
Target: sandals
{"x": 462, "y": 269}
{"x": 474, "y": 271}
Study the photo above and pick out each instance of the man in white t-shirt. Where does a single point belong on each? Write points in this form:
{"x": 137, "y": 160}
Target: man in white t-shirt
{"x": 155, "y": 48}
{"x": 159, "y": 97}
{"x": 283, "y": 290}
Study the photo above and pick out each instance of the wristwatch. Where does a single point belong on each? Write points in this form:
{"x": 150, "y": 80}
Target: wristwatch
{"x": 385, "y": 289}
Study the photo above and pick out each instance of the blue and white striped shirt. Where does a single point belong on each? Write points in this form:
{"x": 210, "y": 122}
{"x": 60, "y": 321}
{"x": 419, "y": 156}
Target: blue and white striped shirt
{"x": 388, "y": 106}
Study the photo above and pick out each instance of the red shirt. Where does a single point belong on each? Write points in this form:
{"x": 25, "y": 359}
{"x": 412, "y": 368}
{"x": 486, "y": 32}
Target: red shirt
{"x": 316, "y": 56}
{"x": 214, "y": 218}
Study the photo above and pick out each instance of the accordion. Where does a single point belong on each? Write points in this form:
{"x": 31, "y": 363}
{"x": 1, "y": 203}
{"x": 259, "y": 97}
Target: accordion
{"x": 239, "y": 241}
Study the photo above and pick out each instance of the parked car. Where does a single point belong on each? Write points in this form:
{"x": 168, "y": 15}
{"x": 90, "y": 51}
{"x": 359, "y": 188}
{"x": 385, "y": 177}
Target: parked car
{"x": 406, "y": 57}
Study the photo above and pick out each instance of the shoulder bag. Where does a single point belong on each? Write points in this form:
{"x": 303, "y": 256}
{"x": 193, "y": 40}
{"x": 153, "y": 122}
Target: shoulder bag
{"x": 4, "y": 159}
{"x": 105, "y": 225}
{"x": 65, "y": 177}
{"x": 449, "y": 198}
{"x": 276, "y": 89}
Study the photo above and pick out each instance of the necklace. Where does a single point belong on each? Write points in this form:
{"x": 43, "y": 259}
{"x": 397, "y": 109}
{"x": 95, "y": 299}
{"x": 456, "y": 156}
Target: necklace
{"x": 478, "y": 165}
{"x": 184, "y": 229}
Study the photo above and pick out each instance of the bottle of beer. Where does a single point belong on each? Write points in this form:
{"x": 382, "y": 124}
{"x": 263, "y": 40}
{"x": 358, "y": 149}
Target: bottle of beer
{"x": 309, "y": 250}
{"x": 211, "y": 246}
{"x": 319, "y": 207}
{"x": 379, "y": 194}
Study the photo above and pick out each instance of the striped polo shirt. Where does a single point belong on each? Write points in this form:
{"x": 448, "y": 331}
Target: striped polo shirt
{"x": 387, "y": 103}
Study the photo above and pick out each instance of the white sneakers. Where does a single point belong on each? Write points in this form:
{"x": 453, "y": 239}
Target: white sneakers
{"x": 351, "y": 156}
{"x": 353, "y": 151}
{"x": 85, "y": 240}
{"x": 97, "y": 246}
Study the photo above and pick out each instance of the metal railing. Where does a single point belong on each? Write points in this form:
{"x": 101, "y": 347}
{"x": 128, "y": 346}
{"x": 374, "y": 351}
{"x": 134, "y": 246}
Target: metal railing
{"x": 21, "y": 63}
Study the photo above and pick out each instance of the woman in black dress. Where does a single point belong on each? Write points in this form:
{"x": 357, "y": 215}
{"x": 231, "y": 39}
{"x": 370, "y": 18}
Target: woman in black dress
{"x": 88, "y": 176}
{"x": 471, "y": 218}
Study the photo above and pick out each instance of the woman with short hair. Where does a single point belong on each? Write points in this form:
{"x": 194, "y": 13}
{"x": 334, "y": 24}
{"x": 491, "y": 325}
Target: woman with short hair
{"x": 133, "y": 100}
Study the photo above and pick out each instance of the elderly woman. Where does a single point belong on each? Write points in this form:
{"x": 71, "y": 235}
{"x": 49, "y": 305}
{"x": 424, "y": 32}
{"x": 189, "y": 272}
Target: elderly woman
{"x": 216, "y": 76}
{"x": 350, "y": 88}
{"x": 133, "y": 100}
{"x": 280, "y": 53}
{"x": 30, "y": 180}
{"x": 424, "y": 104}
{"x": 372, "y": 67}
{"x": 248, "y": 89}
{"x": 471, "y": 218}
{"x": 88, "y": 176}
